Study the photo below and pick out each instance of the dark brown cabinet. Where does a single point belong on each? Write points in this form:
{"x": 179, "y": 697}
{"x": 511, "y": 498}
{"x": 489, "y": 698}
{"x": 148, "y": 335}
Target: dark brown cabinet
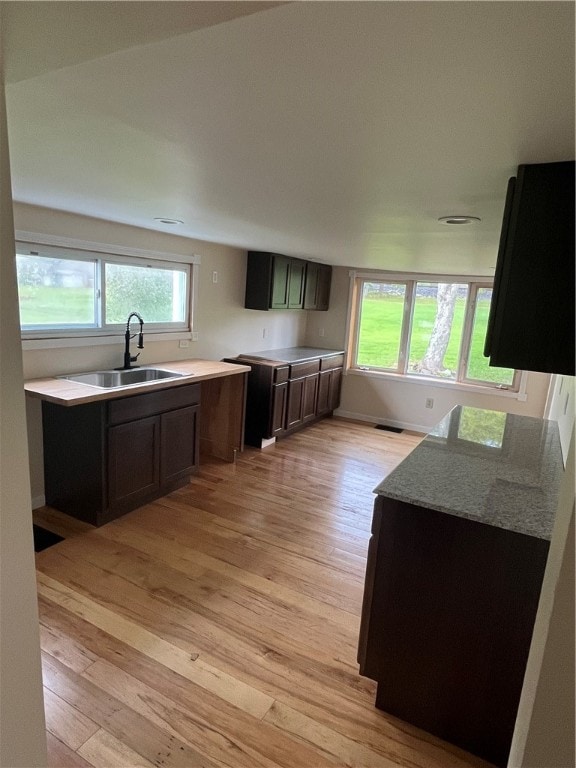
{"x": 276, "y": 277}
{"x": 282, "y": 398}
{"x": 295, "y": 403}
{"x": 178, "y": 444}
{"x": 133, "y": 463}
{"x": 296, "y": 284}
{"x": 329, "y": 384}
{"x": 447, "y": 618}
{"x": 276, "y": 281}
{"x": 317, "y": 287}
{"x": 106, "y": 458}
{"x": 531, "y": 324}
{"x": 279, "y": 405}
{"x": 309, "y": 397}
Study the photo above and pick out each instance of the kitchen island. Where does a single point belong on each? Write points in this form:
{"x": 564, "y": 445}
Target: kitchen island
{"x": 108, "y": 451}
{"x": 460, "y": 538}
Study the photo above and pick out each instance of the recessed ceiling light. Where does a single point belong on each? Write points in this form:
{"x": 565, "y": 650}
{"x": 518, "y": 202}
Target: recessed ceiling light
{"x": 168, "y": 221}
{"x": 458, "y": 219}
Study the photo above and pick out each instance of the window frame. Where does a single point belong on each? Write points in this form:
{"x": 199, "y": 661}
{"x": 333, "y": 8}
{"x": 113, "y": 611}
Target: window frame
{"x": 462, "y": 381}
{"x": 100, "y": 254}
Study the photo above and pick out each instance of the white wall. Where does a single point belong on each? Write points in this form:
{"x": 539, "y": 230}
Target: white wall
{"x": 401, "y": 403}
{"x": 22, "y": 726}
{"x": 225, "y": 328}
{"x": 561, "y": 406}
{"x": 544, "y": 732}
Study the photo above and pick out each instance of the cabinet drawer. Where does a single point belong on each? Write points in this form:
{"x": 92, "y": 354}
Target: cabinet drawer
{"x": 281, "y": 375}
{"x": 304, "y": 369}
{"x": 336, "y": 361}
{"x": 151, "y": 403}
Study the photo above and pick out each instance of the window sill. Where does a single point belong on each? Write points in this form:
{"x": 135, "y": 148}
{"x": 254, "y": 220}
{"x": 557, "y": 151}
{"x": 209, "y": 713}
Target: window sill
{"x": 458, "y": 385}
{"x": 102, "y": 340}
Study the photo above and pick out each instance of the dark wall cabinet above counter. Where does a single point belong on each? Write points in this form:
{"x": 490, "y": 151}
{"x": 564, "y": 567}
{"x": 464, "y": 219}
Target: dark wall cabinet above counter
{"x": 275, "y": 281}
{"x": 531, "y": 325}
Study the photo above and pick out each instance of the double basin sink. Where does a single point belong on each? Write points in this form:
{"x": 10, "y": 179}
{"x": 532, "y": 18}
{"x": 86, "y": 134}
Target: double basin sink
{"x": 124, "y": 378}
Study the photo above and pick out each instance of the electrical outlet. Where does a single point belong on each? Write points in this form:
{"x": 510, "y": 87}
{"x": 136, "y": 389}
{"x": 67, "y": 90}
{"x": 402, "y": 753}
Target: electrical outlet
{"x": 429, "y": 402}
{"x": 263, "y": 333}
{"x": 195, "y": 336}
{"x": 183, "y": 343}
{"x": 320, "y": 331}
{"x": 214, "y": 276}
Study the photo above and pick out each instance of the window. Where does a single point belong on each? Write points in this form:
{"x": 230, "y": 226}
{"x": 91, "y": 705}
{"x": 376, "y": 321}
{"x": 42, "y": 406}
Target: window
{"x": 68, "y": 292}
{"x": 425, "y": 329}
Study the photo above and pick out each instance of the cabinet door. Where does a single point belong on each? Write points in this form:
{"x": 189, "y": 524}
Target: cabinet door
{"x": 323, "y": 290}
{"x": 322, "y": 404}
{"x": 179, "y": 444}
{"x": 133, "y": 463}
{"x": 309, "y": 397}
{"x": 296, "y": 284}
{"x": 279, "y": 399}
{"x": 311, "y": 286}
{"x": 280, "y": 282}
{"x": 335, "y": 385}
{"x": 295, "y": 401}
{"x": 317, "y": 288}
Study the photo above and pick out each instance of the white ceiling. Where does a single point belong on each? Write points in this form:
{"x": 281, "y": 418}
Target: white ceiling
{"x": 338, "y": 131}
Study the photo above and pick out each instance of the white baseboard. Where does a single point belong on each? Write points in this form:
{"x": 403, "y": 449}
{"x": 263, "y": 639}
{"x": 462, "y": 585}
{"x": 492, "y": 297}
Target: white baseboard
{"x": 387, "y": 422}
{"x": 38, "y": 501}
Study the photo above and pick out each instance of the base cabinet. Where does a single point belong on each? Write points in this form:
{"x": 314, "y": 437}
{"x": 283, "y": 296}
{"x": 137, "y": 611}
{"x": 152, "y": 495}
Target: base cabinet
{"x": 106, "y": 458}
{"x": 447, "y": 619}
{"x": 283, "y": 398}
{"x": 329, "y": 385}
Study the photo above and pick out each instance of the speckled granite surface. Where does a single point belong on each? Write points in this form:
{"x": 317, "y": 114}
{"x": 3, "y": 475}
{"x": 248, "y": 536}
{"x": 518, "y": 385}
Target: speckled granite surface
{"x": 491, "y": 467}
{"x": 292, "y": 354}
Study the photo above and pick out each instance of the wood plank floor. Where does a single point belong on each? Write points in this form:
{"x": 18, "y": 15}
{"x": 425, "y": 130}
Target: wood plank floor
{"x": 218, "y": 626}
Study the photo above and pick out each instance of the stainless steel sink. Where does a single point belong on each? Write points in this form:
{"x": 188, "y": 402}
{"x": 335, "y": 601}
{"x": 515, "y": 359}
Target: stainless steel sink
{"x": 113, "y": 379}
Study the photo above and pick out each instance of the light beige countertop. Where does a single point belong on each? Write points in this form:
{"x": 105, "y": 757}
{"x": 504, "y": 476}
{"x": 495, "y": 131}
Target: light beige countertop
{"x": 66, "y": 392}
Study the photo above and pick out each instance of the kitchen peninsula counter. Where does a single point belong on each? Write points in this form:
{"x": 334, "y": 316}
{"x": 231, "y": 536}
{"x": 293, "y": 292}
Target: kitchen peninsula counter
{"x": 460, "y": 538}
{"x": 495, "y": 468}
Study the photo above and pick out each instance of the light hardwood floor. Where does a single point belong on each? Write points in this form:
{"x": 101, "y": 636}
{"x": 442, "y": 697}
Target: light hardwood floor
{"x": 218, "y": 626}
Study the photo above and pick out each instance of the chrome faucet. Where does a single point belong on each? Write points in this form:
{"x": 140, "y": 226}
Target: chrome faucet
{"x": 128, "y": 358}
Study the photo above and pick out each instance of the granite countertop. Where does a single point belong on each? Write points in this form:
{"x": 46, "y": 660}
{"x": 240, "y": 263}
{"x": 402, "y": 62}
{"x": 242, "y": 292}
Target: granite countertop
{"x": 291, "y": 354}
{"x": 65, "y": 392}
{"x": 488, "y": 466}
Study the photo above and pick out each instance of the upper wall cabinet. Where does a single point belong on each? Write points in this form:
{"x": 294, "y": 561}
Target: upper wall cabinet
{"x": 275, "y": 281}
{"x": 531, "y": 324}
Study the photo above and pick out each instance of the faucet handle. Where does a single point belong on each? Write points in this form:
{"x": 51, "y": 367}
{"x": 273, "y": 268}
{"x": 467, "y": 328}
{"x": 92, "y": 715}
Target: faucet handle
{"x": 133, "y": 358}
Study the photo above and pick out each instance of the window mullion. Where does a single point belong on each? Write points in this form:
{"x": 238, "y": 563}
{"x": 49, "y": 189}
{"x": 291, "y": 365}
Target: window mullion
{"x": 464, "y": 352}
{"x": 407, "y": 316}
{"x": 99, "y": 294}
